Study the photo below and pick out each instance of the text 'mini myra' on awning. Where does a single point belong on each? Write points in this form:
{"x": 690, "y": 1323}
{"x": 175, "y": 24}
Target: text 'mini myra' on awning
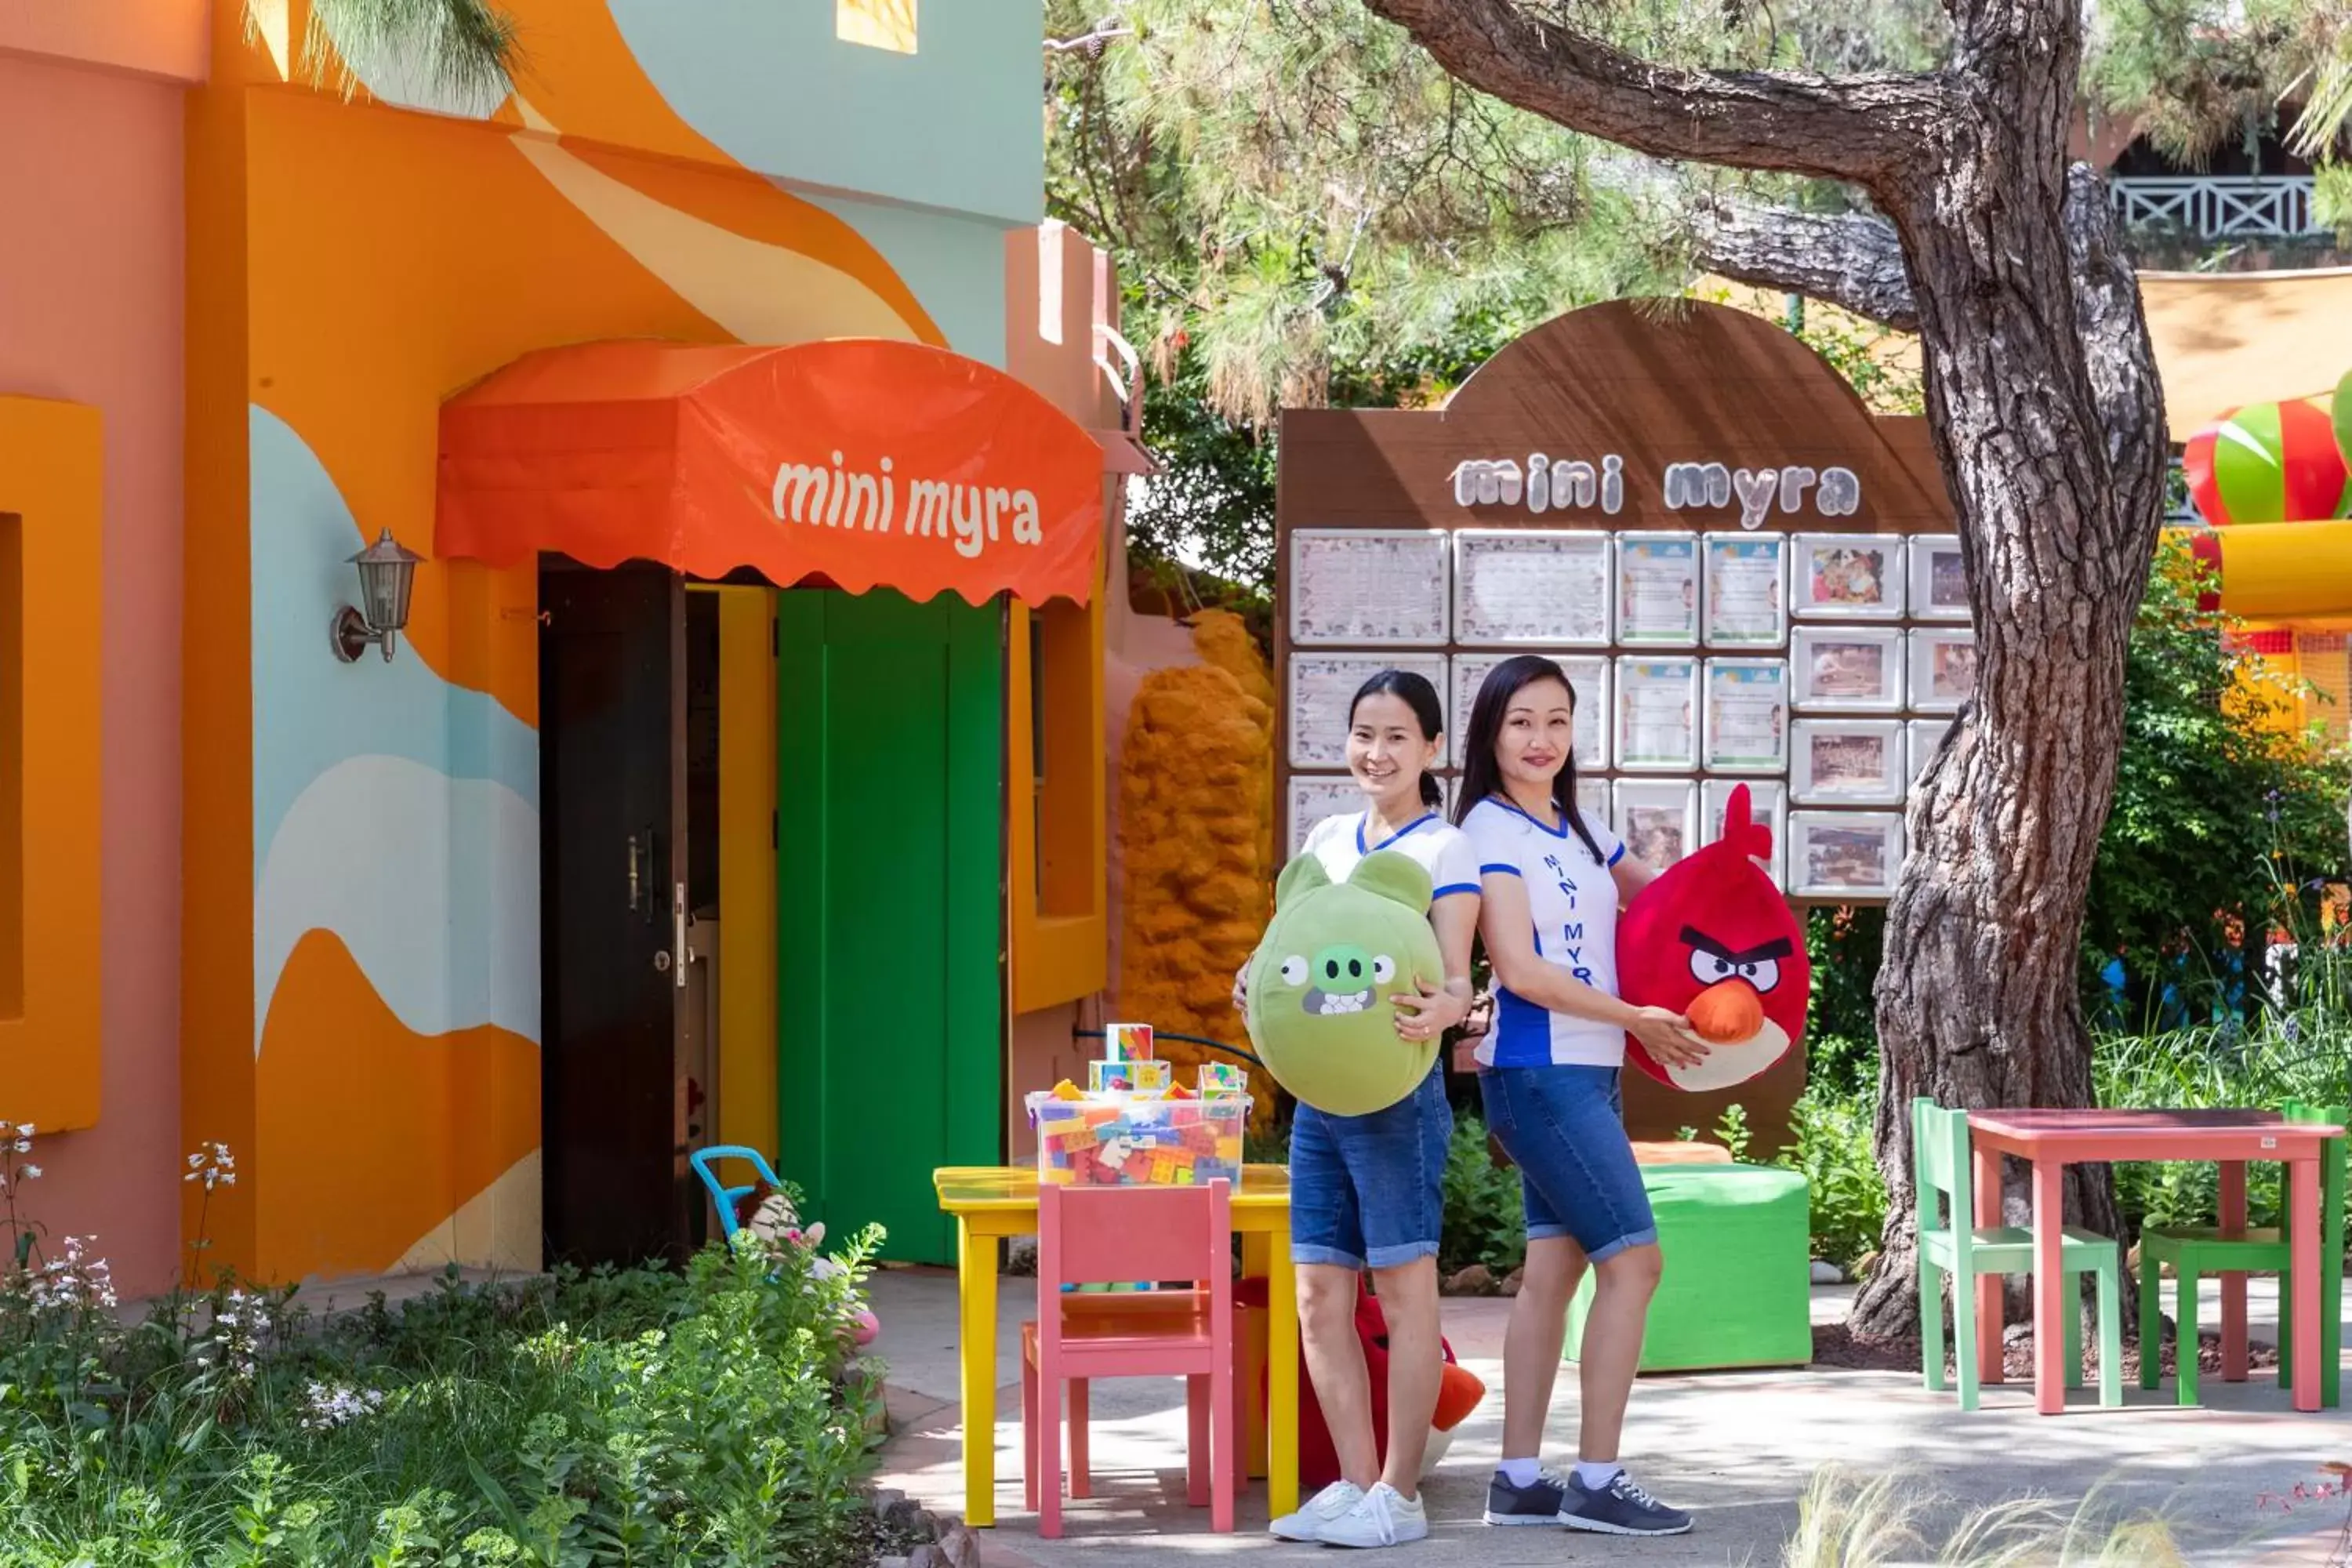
{"x": 863, "y": 463}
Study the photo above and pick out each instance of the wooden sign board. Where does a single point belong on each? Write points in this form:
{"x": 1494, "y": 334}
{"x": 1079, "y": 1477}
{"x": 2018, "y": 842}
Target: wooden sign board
{"x": 1602, "y": 489}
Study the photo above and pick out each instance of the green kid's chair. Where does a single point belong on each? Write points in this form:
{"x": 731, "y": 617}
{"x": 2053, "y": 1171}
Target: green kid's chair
{"x": 2196, "y": 1251}
{"x": 1952, "y": 1244}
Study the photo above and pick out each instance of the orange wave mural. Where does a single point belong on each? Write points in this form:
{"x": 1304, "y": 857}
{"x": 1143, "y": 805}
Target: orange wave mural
{"x": 374, "y": 222}
{"x": 374, "y": 1136}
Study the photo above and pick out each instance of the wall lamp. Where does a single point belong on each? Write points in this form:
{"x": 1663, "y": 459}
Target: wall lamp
{"x": 387, "y": 573}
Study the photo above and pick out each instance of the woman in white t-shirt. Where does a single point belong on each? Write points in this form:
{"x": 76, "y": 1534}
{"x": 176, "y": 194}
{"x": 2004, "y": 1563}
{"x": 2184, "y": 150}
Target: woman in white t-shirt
{"x": 1367, "y": 1191}
{"x": 1551, "y": 883}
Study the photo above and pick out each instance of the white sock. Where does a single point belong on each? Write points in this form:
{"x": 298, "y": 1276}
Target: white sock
{"x": 1519, "y": 1472}
{"x": 1592, "y": 1474}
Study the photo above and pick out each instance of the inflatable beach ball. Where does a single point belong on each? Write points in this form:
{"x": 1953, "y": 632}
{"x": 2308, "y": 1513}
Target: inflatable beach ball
{"x": 2269, "y": 462}
{"x": 2342, "y": 418}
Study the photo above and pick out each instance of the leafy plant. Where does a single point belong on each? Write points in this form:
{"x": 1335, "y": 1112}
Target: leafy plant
{"x": 1485, "y": 1222}
{"x": 621, "y": 1417}
{"x": 2220, "y": 823}
{"x": 1833, "y": 1151}
{"x": 1831, "y": 1147}
{"x": 1844, "y": 946}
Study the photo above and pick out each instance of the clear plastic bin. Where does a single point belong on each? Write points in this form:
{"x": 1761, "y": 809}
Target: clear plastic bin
{"x": 1119, "y": 1141}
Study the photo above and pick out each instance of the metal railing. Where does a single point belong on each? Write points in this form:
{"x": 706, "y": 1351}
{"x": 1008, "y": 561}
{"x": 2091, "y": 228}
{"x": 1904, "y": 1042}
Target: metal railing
{"x": 2219, "y": 206}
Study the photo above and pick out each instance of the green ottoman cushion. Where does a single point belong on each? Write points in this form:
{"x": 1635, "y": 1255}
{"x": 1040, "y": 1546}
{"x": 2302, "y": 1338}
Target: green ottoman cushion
{"x": 1738, "y": 1290}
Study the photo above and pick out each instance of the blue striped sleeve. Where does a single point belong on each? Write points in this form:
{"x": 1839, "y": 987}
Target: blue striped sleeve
{"x": 1617, "y": 854}
{"x": 1451, "y": 888}
{"x": 1503, "y": 867}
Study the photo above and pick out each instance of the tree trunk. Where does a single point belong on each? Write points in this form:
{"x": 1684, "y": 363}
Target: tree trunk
{"x": 1980, "y": 999}
{"x": 2049, "y": 426}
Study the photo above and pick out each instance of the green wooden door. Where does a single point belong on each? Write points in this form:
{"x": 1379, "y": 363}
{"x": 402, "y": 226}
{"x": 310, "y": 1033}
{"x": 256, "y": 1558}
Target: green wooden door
{"x": 889, "y": 886}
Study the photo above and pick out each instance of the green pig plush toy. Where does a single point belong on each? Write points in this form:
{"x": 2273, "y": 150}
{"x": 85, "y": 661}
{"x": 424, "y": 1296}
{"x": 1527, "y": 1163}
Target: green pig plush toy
{"x": 1323, "y": 977}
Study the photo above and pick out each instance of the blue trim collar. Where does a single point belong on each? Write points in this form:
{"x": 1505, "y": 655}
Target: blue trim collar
{"x": 1415, "y": 826}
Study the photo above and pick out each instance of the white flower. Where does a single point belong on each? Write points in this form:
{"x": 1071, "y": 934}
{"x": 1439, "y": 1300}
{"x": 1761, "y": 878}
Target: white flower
{"x": 333, "y": 1405}
{"x": 229, "y": 1180}
{"x": 24, "y": 1145}
{"x": 26, "y": 1129}
{"x": 30, "y": 1173}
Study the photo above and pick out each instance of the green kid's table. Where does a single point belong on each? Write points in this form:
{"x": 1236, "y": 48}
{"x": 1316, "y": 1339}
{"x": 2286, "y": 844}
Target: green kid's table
{"x": 1737, "y": 1290}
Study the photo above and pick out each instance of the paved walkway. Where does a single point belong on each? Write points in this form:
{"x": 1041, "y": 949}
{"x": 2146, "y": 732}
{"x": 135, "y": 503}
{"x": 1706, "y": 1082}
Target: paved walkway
{"x": 1738, "y": 1449}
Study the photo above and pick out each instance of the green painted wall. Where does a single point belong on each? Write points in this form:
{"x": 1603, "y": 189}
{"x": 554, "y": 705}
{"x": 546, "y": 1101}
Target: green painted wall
{"x": 889, "y": 889}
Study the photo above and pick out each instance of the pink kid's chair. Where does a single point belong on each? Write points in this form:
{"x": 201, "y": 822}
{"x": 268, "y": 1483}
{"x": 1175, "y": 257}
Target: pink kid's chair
{"x": 1091, "y": 1235}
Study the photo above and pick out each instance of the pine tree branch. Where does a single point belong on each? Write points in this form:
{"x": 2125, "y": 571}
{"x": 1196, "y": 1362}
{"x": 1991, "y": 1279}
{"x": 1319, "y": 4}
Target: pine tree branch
{"x": 1847, "y": 259}
{"x": 1855, "y": 263}
{"x": 1868, "y": 130}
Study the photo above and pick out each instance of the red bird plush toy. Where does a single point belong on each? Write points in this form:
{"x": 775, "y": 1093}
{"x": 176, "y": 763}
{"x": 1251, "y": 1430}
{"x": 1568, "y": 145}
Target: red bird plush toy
{"x": 1712, "y": 940}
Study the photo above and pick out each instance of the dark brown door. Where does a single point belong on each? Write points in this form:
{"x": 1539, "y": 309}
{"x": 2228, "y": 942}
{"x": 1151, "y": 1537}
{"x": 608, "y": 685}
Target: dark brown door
{"x": 612, "y": 674}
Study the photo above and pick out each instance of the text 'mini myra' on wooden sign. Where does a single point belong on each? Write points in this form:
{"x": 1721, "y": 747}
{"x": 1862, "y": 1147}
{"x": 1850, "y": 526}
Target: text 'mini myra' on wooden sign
{"x": 1561, "y": 484}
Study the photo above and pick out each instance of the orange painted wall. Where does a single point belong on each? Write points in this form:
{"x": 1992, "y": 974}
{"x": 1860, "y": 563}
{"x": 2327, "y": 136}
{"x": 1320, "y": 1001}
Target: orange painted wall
{"x": 163, "y": 38}
{"x": 91, "y": 312}
{"x": 352, "y": 266}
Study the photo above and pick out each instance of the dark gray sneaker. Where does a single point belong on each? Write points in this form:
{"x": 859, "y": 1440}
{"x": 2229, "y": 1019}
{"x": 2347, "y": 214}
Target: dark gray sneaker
{"x": 1620, "y": 1508}
{"x": 1537, "y": 1502}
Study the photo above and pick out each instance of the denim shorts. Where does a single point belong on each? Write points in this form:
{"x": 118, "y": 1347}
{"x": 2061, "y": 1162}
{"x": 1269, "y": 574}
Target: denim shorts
{"x": 1369, "y": 1191}
{"x": 1564, "y": 1127}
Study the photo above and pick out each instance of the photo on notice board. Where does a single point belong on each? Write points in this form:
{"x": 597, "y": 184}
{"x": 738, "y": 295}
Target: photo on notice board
{"x": 1369, "y": 586}
{"x": 1658, "y": 819}
{"x": 1746, "y": 599}
{"x": 1657, "y": 590}
{"x": 1313, "y": 797}
{"x": 1588, "y": 679}
{"x": 1657, "y": 715}
{"x": 1746, "y": 715}
{"x": 1925, "y": 737}
{"x": 1593, "y": 798}
{"x": 1939, "y": 583}
{"x": 1848, "y": 576}
{"x": 1943, "y": 669}
{"x": 1768, "y": 803}
{"x": 1849, "y": 855}
{"x": 1530, "y": 588}
{"x": 1847, "y": 762}
{"x": 1847, "y": 670}
{"x": 1323, "y": 687}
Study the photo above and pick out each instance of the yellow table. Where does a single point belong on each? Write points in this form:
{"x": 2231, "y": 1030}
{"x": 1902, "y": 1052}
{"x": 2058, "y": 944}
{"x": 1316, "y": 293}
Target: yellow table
{"x": 991, "y": 1202}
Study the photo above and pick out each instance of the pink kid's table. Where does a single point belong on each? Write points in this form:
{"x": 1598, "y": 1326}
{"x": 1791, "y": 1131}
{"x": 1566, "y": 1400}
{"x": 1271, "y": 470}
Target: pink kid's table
{"x": 2052, "y": 1139}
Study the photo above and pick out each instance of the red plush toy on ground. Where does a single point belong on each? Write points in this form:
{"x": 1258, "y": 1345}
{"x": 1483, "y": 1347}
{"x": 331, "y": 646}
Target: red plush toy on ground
{"x": 1712, "y": 940}
{"x": 1459, "y": 1393}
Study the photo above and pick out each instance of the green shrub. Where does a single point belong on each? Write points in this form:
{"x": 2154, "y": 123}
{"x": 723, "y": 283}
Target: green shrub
{"x": 2220, "y": 825}
{"x": 1831, "y": 1147}
{"x": 2297, "y": 1054}
{"x": 715, "y": 1417}
{"x": 1833, "y": 1151}
{"x": 1484, "y": 1220}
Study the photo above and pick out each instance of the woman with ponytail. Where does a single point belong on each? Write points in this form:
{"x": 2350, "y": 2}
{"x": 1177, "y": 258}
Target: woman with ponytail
{"x": 1551, "y": 883}
{"x": 1367, "y": 1191}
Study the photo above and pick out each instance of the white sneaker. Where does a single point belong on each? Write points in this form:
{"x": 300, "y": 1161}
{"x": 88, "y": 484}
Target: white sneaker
{"x": 1309, "y": 1523}
{"x": 1385, "y": 1516}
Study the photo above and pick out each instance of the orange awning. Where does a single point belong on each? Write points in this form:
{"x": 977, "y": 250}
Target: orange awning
{"x": 863, "y": 462}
